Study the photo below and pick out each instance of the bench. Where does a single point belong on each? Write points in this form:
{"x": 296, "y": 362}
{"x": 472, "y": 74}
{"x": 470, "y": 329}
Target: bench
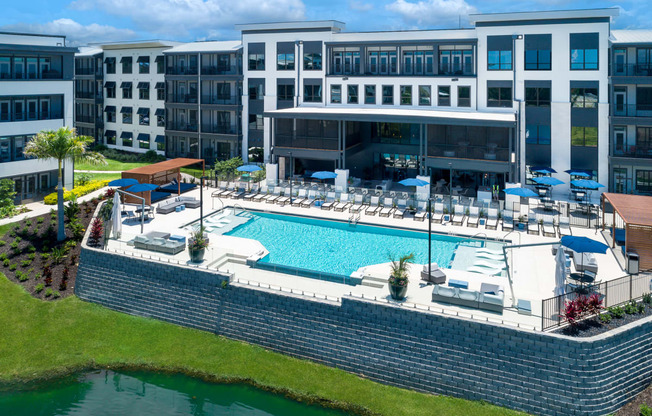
{"x": 458, "y": 283}
{"x": 524, "y": 307}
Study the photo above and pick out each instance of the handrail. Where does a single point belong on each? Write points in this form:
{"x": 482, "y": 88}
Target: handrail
{"x": 238, "y": 206}
{"x": 213, "y": 197}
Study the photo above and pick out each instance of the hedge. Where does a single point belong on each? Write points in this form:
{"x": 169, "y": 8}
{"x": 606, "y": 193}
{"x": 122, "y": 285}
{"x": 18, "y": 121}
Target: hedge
{"x": 51, "y": 199}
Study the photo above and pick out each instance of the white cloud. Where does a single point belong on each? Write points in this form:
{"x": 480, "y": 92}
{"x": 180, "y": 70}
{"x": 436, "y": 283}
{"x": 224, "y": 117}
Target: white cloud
{"x": 76, "y": 33}
{"x": 360, "y": 6}
{"x": 432, "y": 12}
{"x": 177, "y": 18}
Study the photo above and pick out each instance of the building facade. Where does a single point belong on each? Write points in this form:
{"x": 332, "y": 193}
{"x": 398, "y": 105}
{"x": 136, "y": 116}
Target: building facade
{"x": 36, "y": 94}
{"x": 89, "y": 93}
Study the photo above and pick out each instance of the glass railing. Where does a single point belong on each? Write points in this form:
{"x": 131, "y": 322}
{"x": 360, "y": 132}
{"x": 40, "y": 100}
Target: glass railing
{"x": 489, "y": 152}
{"x": 181, "y": 70}
{"x": 221, "y": 100}
{"x": 642, "y": 150}
{"x": 631, "y": 70}
{"x": 631, "y": 110}
{"x": 221, "y": 70}
{"x": 182, "y": 98}
{"x": 305, "y": 142}
{"x": 182, "y": 126}
{"x": 218, "y": 129}
{"x": 30, "y": 116}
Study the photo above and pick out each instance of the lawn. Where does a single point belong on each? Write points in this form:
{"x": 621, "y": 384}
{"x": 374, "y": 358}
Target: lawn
{"x": 112, "y": 165}
{"x": 100, "y": 176}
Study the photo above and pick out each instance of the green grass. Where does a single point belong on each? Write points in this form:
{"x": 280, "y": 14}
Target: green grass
{"x": 194, "y": 172}
{"x": 100, "y": 176}
{"x": 111, "y": 165}
{"x": 44, "y": 339}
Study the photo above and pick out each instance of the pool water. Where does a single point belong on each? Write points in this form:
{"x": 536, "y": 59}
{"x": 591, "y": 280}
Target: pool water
{"x": 340, "y": 248}
{"x": 148, "y": 394}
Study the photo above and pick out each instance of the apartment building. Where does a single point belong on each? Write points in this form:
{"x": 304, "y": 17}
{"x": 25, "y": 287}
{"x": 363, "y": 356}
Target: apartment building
{"x": 36, "y": 93}
{"x": 203, "y": 100}
{"x": 89, "y": 93}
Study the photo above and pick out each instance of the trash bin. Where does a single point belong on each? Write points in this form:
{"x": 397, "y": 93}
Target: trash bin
{"x": 632, "y": 262}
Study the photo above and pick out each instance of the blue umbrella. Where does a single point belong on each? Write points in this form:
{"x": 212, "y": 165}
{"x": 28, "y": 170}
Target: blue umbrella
{"x": 522, "y": 192}
{"x": 587, "y": 184}
{"x": 542, "y": 169}
{"x": 248, "y": 168}
{"x": 577, "y": 172}
{"x": 413, "y": 182}
{"x": 324, "y": 174}
{"x": 123, "y": 182}
{"x": 583, "y": 244}
{"x": 547, "y": 180}
{"x": 142, "y": 187}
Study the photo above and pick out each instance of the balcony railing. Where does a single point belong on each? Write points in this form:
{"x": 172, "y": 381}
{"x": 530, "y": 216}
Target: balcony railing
{"x": 642, "y": 150}
{"x": 491, "y": 152}
{"x": 51, "y": 74}
{"x": 88, "y": 119}
{"x": 218, "y": 129}
{"x": 631, "y": 70}
{"x": 181, "y": 70}
{"x": 632, "y": 110}
{"x": 305, "y": 142}
{"x": 30, "y": 116}
{"x": 88, "y": 95}
{"x": 178, "y": 126}
{"x": 182, "y": 98}
{"x": 87, "y": 71}
{"x": 221, "y": 70}
{"x": 221, "y": 100}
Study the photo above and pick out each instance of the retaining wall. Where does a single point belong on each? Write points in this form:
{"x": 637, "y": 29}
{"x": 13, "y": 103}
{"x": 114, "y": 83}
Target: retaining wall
{"x": 536, "y": 372}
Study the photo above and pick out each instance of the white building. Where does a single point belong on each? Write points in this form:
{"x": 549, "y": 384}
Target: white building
{"x": 36, "y": 93}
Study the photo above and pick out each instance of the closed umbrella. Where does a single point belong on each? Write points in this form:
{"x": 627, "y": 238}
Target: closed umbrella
{"x": 419, "y": 182}
{"x": 560, "y": 272}
{"x": 520, "y": 191}
{"x": 123, "y": 182}
{"x": 116, "y": 216}
{"x": 547, "y": 180}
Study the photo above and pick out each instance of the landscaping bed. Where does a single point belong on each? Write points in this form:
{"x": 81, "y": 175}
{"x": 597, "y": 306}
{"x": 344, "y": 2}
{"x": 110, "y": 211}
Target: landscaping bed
{"x": 31, "y": 256}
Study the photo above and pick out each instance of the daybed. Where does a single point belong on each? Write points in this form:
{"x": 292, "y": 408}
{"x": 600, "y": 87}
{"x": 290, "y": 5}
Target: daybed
{"x": 490, "y": 297}
{"x": 159, "y": 244}
{"x": 173, "y": 187}
{"x": 169, "y": 205}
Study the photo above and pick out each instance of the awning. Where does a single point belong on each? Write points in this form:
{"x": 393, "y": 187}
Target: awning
{"x": 143, "y": 59}
{"x": 143, "y": 85}
{"x": 160, "y": 138}
{"x": 160, "y": 112}
{"x": 109, "y": 109}
{"x": 143, "y": 111}
{"x": 127, "y": 135}
{"x": 109, "y": 60}
{"x": 397, "y": 115}
{"x": 125, "y": 59}
{"x": 143, "y": 137}
{"x": 159, "y": 58}
{"x": 109, "y": 133}
{"x": 126, "y": 110}
{"x": 160, "y": 86}
{"x": 109, "y": 84}
{"x": 125, "y": 84}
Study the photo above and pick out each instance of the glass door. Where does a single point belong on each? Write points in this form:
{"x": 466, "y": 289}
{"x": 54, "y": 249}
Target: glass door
{"x": 30, "y": 186}
{"x": 620, "y": 102}
{"x": 18, "y": 187}
{"x": 620, "y": 62}
{"x": 44, "y": 181}
{"x": 45, "y": 110}
{"x": 32, "y": 109}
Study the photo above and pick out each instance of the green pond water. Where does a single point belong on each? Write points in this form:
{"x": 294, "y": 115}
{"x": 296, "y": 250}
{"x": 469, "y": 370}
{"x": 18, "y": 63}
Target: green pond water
{"x": 136, "y": 393}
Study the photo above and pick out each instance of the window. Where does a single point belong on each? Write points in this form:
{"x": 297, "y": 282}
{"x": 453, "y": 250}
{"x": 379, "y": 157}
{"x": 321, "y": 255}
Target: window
{"x": 417, "y": 60}
{"x": 499, "y": 97}
{"x": 537, "y": 97}
{"x": 256, "y": 91}
{"x": 537, "y": 134}
{"x": 464, "y": 96}
{"x": 285, "y": 62}
{"x": 643, "y": 61}
{"x": 312, "y": 55}
{"x": 143, "y": 116}
{"x": 110, "y": 116}
{"x": 424, "y": 94}
{"x": 127, "y": 140}
{"x": 584, "y": 51}
{"x": 336, "y": 94}
{"x": 406, "y": 94}
{"x": 110, "y": 91}
{"x": 256, "y": 122}
{"x": 126, "y": 64}
{"x": 537, "y": 52}
{"x": 388, "y": 95}
{"x": 643, "y": 139}
{"x": 256, "y": 61}
{"x": 584, "y": 136}
{"x": 499, "y": 53}
{"x": 444, "y": 96}
{"x": 285, "y": 92}
{"x": 352, "y": 94}
{"x": 644, "y": 180}
{"x": 126, "y": 90}
{"x": 346, "y": 61}
{"x": 643, "y": 98}
{"x": 456, "y": 60}
{"x": 143, "y": 64}
{"x": 126, "y": 115}
{"x": 110, "y": 65}
{"x": 312, "y": 93}
{"x": 584, "y": 97}
{"x": 143, "y": 144}
{"x": 160, "y": 120}
{"x": 160, "y": 64}
{"x": 160, "y": 94}
{"x": 370, "y": 94}
{"x": 143, "y": 93}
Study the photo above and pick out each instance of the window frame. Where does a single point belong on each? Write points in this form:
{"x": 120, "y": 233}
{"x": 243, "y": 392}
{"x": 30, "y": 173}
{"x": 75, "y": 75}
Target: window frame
{"x": 576, "y": 103}
{"x": 387, "y": 99}
{"x": 403, "y": 90}
{"x": 312, "y": 91}
{"x": 423, "y": 88}
{"x": 500, "y": 102}
{"x": 258, "y": 62}
{"x": 538, "y": 101}
{"x": 349, "y": 89}
{"x": 368, "y": 97}
{"x": 460, "y": 103}
{"x": 441, "y": 102}
{"x": 335, "y": 93}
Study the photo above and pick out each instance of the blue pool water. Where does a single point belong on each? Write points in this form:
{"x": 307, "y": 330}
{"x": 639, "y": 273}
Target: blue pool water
{"x": 339, "y": 248}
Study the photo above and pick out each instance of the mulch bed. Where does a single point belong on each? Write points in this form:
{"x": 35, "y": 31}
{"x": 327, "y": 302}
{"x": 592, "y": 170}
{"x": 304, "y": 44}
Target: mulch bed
{"x": 590, "y": 327}
{"x": 36, "y": 240}
{"x": 633, "y": 408}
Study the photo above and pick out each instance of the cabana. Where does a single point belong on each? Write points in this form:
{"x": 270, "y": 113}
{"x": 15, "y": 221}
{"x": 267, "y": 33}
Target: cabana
{"x": 163, "y": 173}
{"x": 636, "y": 215}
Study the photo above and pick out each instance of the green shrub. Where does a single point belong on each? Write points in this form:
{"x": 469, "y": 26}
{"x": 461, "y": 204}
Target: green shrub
{"x": 13, "y": 245}
{"x": 5, "y": 262}
{"x": 78, "y": 191}
{"x": 40, "y": 220}
{"x": 3, "y": 256}
{"x": 31, "y": 256}
{"x": 645, "y": 410}
{"x": 605, "y": 318}
{"x": 25, "y": 230}
{"x": 49, "y": 292}
{"x": 31, "y": 249}
{"x": 616, "y": 311}
{"x": 630, "y": 308}
{"x": 2, "y": 243}
{"x": 56, "y": 295}
{"x": 25, "y": 263}
{"x": 38, "y": 288}
{"x": 640, "y": 308}
{"x": 16, "y": 227}
{"x": 647, "y": 298}
{"x": 18, "y": 240}
{"x": 13, "y": 266}
{"x": 22, "y": 276}
{"x": 45, "y": 256}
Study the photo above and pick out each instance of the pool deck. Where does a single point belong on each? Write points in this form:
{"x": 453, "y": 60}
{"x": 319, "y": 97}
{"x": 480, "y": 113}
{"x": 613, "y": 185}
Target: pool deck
{"x": 533, "y": 268}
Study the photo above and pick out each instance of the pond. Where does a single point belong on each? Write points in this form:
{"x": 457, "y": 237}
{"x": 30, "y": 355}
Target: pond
{"x": 138, "y": 393}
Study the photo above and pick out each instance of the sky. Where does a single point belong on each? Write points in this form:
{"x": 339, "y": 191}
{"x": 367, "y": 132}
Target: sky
{"x": 88, "y": 21}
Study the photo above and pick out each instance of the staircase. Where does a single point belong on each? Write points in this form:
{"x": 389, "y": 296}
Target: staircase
{"x": 372, "y": 281}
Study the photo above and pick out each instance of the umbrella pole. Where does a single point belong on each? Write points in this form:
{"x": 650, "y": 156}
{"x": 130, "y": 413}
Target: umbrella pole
{"x": 429, "y": 240}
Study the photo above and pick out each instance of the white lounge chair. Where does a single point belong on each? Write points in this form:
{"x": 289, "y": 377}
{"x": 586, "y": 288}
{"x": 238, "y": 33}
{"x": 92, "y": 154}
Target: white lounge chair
{"x": 343, "y": 204}
{"x": 273, "y": 197}
{"x": 373, "y": 207}
{"x": 388, "y": 207}
{"x": 401, "y": 206}
{"x": 508, "y": 220}
{"x": 251, "y": 194}
{"x": 312, "y": 195}
{"x": 438, "y": 215}
{"x": 422, "y": 211}
{"x": 285, "y": 199}
{"x": 329, "y": 202}
{"x": 484, "y": 270}
{"x": 358, "y": 204}
{"x": 301, "y": 196}
{"x": 564, "y": 226}
{"x": 458, "y": 217}
{"x": 474, "y": 217}
{"x": 492, "y": 219}
{"x": 549, "y": 227}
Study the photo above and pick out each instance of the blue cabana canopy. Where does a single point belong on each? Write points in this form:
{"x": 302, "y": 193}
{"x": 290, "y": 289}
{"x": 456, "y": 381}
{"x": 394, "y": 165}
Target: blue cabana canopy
{"x": 248, "y": 168}
{"x": 123, "y": 182}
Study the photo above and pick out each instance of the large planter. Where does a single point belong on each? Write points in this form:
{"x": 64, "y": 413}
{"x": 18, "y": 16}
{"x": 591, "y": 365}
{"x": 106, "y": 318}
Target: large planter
{"x": 196, "y": 256}
{"x": 398, "y": 292}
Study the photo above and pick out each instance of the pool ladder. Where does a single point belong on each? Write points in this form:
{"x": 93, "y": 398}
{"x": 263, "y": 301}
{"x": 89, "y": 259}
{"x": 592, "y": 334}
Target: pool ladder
{"x": 353, "y": 219}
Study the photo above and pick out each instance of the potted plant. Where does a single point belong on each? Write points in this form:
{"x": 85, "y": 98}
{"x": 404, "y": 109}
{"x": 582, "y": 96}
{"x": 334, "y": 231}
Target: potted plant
{"x": 197, "y": 244}
{"x": 398, "y": 277}
{"x": 411, "y": 209}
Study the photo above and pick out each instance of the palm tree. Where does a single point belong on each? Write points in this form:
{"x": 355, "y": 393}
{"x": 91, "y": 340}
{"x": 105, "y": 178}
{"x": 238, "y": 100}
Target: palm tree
{"x": 60, "y": 145}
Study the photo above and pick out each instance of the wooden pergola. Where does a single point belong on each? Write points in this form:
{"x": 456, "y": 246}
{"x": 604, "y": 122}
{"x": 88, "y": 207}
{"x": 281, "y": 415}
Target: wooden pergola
{"x": 162, "y": 173}
{"x": 636, "y": 213}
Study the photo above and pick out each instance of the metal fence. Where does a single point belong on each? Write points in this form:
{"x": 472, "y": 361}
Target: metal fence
{"x": 613, "y": 293}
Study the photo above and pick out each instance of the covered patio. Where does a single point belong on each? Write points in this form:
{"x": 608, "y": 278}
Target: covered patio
{"x": 167, "y": 174}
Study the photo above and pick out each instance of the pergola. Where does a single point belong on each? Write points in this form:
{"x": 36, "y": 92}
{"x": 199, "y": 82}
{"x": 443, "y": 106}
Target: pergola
{"x": 162, "y": 173}
{"x": 636, "y": 214}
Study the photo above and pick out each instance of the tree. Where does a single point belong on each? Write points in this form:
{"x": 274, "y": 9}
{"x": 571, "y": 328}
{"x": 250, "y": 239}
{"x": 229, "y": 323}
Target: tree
{"x": 60, "y": 145}
{"x": 7, "y": 194}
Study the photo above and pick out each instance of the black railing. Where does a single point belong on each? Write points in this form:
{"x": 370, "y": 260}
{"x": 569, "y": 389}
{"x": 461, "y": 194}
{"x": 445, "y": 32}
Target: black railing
{"x": 87, "y": 71}
{"x": 51, "y": 74}
{"x": 182, "y": 126}
{"x": 221, "y": 70}
{"x": 306, "y": 142}
{"x": 631, "y": 70}
{"x": 218, "y": 129}
{"x": 182, "y": 98}
{"x": 500, "y": 154}
{"x": 181, "y": 70}
{"x": 220, "y": 100}
{"x": 643, "y": 150}
{"x": 88, "y": 95}
{"x": 29, "y": 116}
{"x": 631, "y": 110}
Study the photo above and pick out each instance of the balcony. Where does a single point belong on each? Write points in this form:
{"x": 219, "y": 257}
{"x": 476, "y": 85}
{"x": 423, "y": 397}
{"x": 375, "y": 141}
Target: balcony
{"x": 218, "y": 129}
{"x": 182, "y": 98}
{"x": 181, "y": 70}
{"x": 220, "y": 99}
{"x": 45, "y": 74}
{"x": 88, "y": 71}
{"x": 639, "y": 151}
{"x": 632, "y": 110}
{"x": 181, "y": 126}
{"x": 30, "y": 116}
{"x": 300, "y": 142}
{"x": 221, "y": 70}
{"x": 88, "y": 95}
{"x": 88, "y": 119}
{"x": 631, "y": 70}
{"x": 489, "y": 152}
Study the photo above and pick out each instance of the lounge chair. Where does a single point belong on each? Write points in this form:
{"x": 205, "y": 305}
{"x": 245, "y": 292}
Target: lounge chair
{"x": 485, "y": 270}
{"x": 273, "y": 197}
{"x": 373, "y": 207}
{"x": 436, "y": 276}
{"x": 508, "y": 220}
{"x": 388, "y": 207}
{"x": 532, "y": 223}
{"x": 238, "y": 192}
{"x": 358, "y": 204}
{"x": 251, "y": 194}
{"x": 474, "y": 217}
{"x": 492, "y": 219}
{"x": 222, "y": 189}
{"x": 282, "y": 200}
{"x": 485, "y": 255}
{"x": 301, "y": 196}
{"x": 458, "y": 217}
{"x": 310, "y": 199}
{"x": 401, "y": 206}
{"x": 422, "y": 211}
{"x": 549, "y": 227}
{"x": 438, "y": 215}
{"x": 564, "y": 226}
{"x": 329, "y": 202}
{"x": 260, "y": 195}
{"x": 343, "y": 204}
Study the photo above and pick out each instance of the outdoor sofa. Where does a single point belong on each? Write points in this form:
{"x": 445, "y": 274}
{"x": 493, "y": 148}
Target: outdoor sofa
{"x": 158, "y": 244}
{"x": 167, "y": 206}
{"x": 490, "y": 296}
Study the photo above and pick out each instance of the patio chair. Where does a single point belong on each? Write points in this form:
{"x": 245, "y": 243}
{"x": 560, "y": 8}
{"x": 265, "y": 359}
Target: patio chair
{"x": 358, "y": 204}
{"x": 422, "y": 211}
{"x": 343, "y": 204}
{"x": 310, "y": 199}
{"x": 549, "y": 227}
{"x": 251, "y": 194}
{"x": 301, "y": 196}
{"x": 564, "y": 226}
{"x": 532, "y": 223}
{"x": 274, "y": 196}
{"x": 260, "y": 195}
{"x": 438, "y": 215}
{"x": 222, "y": 189}
{"x": 373, "y": 207}
{"x": 401, "y": 206}
{"x": 388, "y": 207}
{"x": 508, "y": 220}
{"x": 458, "y": 217}
{"x": 329, "y": 202}
{"x": 238, "y": 192}
{"x": 282, "y": 200}
{"x": 474, "y": 217}
{"x": 492, "y": 219}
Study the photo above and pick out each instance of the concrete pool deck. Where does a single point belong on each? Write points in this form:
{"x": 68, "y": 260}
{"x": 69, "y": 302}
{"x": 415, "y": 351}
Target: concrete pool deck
{"x": 533, "y": 268}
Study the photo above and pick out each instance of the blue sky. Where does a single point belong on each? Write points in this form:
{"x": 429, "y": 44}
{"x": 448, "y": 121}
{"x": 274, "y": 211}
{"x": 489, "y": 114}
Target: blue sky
{"x": 85, "y": 21}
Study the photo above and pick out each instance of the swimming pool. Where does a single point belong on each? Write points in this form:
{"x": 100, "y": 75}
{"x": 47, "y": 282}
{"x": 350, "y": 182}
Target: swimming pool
{"x": 340, "y": 248}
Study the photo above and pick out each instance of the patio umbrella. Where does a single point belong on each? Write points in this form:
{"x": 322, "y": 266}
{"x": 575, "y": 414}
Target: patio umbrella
{"x": 324, "y": 174}
{"x": 520, "y": 191}
{"x": 560, "y": 272}
{"x": 547, "y": 180}
{"x": 586, "y": 184}
{"x": 413, "y": 182}
{"x": 142, "y": 187}
{"x": 583, "y": 244}
{"x": 576, "y": 172}
{"x": 249, "y": 168}
{"x": 123, "y": 182}
{"x": 116, "y": 216}
{"x": 542, "y": 169}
